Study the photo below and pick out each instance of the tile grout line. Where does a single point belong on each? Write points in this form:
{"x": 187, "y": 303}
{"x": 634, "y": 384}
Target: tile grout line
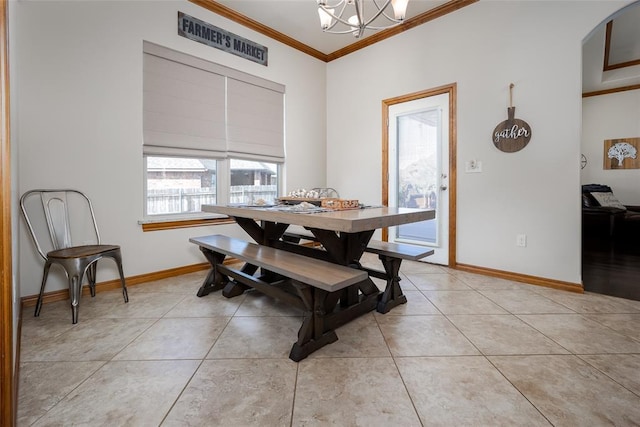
{"x": 520, "y": 391}
{"x": 404, "y": 384}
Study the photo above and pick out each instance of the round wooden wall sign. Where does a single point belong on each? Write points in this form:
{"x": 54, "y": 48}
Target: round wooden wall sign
{"x": 511, "y": 135}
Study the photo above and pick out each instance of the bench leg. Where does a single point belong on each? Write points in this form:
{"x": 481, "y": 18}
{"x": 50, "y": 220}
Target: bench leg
{"x": 355, "y": 294}
{"x": 392, "y": 295}
{"x": 312, "y": 334}
{"x": 213, "y": 282}
{"x": 349, "y": 296}
{"x": 234, "y": 288}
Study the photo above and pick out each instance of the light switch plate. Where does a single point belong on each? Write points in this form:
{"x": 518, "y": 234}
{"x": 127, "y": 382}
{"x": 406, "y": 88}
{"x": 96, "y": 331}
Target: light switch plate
{"x": 473, "y": 166}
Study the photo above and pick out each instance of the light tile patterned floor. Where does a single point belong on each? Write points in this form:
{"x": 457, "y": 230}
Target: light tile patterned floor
{"x": 465, "y": 350}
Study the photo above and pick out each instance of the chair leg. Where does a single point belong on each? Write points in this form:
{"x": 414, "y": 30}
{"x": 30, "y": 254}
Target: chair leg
{"x": 117, "y": 257}
{"x": 124, "y": 286}
{"x": 75, "y": 287}
{"x": 91, "y": 278}
{"x": 45, "y": 274}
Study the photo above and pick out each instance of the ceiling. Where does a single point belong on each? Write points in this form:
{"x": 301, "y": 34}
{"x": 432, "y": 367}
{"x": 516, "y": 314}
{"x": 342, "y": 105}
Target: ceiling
{"x": 296, "y": 23}
{"x": 623, "y": 39}
{"x": 611, "y": 54}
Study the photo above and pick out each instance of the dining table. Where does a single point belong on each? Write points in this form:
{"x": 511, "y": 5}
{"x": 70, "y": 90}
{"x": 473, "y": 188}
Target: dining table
{"x": 341, "y": 235}
{"x": 344, "y": 234}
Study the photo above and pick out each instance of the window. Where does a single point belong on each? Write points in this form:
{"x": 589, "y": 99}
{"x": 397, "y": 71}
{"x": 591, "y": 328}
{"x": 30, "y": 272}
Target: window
{"x": 181, "y": 185}
{"x": 177, "y": 185}
{"x": 211, "y": 134}
{"x": 253, "y": 182}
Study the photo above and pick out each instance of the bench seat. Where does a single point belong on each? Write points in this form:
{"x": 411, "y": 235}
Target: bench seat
{"x": 313, "y": 272}
{"x": 304, "y": 282}
{"x": 298, "y": 233}
{"x": 398, "y": 250}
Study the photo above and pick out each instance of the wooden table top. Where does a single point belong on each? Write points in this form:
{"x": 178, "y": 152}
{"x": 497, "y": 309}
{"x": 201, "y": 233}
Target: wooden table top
{"x": 348, "y": 221}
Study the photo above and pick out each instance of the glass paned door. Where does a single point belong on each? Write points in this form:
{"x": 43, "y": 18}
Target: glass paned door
{"x": 418, "y": 170}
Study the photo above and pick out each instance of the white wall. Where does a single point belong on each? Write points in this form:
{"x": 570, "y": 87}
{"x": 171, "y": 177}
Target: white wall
{"x": 483, "y": 48}
{"x": 79, "y": 117}
{"x": 611, "y": 116}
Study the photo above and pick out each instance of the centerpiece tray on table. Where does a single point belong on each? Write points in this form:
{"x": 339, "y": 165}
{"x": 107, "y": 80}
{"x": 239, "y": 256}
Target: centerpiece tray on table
{"x": 327, "y": 202}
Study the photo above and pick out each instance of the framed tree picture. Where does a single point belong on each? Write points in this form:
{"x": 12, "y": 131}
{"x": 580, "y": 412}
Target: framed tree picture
{"x": 621, "y": 153}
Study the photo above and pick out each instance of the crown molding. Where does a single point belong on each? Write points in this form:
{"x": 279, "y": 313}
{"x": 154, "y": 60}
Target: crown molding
{"x": 254, "y": 25}
{"x": 612, "y": 90}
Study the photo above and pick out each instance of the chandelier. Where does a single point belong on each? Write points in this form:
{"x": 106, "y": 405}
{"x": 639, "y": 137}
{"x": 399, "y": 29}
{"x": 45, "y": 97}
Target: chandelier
{"x": 357, "y": 22}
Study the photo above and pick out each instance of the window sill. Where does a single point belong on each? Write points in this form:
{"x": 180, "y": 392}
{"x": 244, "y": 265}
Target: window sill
{"x": 171, "y": 223}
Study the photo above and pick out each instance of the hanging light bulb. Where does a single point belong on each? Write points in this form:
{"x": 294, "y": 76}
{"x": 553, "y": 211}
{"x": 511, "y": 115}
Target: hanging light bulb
{"x": 325, "y": 17}
{"x": 399, "y": 8}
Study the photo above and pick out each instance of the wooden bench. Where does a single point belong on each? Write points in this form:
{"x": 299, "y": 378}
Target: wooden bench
{"x": 390, "y": 254}
{"x": 294, "y": 235}
{"x": 304, "y": 282}
{"x": 398, "y": 250}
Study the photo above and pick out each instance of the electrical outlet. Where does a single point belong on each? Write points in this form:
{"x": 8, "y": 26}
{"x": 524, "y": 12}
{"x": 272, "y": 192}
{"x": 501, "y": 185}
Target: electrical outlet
{"x": 521, "y": 240}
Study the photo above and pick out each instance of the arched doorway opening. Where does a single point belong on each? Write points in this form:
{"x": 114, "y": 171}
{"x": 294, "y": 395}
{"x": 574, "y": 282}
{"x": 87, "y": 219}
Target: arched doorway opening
{"x": 610, "y": 107}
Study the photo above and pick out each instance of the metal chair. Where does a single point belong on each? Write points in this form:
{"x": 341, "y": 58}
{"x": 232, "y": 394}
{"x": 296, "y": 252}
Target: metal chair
{"x": 56, "y": 214}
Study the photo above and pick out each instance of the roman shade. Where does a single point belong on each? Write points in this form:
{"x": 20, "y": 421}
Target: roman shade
{"x": 196, "y": 108}
{"x": 255, "y": 118}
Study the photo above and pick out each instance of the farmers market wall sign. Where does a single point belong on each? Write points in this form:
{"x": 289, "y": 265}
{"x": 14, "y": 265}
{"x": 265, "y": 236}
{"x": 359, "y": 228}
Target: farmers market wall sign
{"x": 512, "y": 134}
{"x": 203, "y": 32}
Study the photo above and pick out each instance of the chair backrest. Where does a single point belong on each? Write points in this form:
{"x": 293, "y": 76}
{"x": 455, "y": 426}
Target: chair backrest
{"x": 60, "y": 214}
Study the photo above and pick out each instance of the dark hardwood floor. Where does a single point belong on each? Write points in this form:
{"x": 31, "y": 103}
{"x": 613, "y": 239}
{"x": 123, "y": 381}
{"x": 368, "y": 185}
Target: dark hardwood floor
{"x": 611, "y": 264}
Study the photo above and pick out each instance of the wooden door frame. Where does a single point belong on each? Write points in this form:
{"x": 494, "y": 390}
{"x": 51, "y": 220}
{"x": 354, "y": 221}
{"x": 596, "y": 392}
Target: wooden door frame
{"x": 451, "y": 90}
{"x": 8, "y": 388}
